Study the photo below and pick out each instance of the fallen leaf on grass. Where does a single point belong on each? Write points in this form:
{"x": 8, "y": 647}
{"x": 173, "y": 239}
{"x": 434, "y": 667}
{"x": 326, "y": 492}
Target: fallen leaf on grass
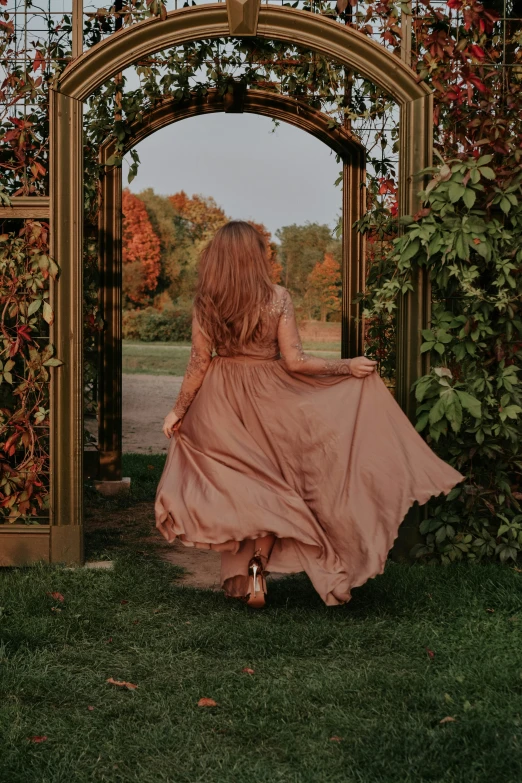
{"x": 207, "y": 703}
{"x": 430, "y": 652}
{"x": 109, "y": 640}
{"x": 246, "y": 670}
{"x": 151, "y": 467}
{"x": 90, "y": 708}
{"x": 124, "y": 602}
{"x": 122, "y": 684}
{"x": 37, "y": 739}
{"x": 55, "y": 609}
{"x": 336, "y": 739}
{"x": 490, "y": 610}
{"x": 448, "y": 719}
{"x": 57, "y": 597}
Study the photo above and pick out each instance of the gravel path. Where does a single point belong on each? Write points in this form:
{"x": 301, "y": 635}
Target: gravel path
{"x": 146, "y": 401}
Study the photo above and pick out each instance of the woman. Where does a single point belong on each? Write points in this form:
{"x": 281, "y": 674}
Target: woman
{"x": 280, "y": 459}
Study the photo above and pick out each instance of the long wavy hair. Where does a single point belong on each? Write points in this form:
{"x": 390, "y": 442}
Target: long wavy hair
{"x": 234, "y": 285}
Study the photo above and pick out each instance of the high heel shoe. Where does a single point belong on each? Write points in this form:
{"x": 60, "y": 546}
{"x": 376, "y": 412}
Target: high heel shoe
{"x": 256, "y": 582}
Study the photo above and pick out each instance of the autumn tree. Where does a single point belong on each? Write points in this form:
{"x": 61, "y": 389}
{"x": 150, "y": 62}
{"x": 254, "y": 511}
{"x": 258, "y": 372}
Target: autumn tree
{"x": 175, "y": 241}
{"x": 202, "y": 213}
{"x": 141, "y": 251}
{"x": 324, "y": 286}
{"x": 202, "y": 218}
{"x": 301, "y": 248}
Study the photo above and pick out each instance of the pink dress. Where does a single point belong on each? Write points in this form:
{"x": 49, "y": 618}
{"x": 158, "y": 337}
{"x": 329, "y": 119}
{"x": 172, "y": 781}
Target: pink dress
{"x": 277, "y": 441}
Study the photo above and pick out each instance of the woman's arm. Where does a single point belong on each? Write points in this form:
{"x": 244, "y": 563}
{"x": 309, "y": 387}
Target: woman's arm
{"x": 296, "y": 360}
{"x": 199, "y": 362}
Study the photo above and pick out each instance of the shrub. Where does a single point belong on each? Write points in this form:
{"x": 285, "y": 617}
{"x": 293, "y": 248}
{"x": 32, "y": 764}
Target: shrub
{"x": 150, "y": 325}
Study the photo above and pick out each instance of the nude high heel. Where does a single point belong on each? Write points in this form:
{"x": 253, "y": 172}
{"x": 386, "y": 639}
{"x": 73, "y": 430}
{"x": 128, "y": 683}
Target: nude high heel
{"x": 256, "y": 582}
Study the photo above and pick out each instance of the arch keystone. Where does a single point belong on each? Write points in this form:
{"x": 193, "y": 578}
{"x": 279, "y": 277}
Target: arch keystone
{"x": 243, "y": 16}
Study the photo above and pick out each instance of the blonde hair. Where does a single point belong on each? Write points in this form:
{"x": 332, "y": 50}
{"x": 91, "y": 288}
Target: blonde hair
{"x": 234, "y": 284}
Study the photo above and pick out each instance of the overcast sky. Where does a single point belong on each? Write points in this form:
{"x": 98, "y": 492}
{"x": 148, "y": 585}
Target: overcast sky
{"x": 274, "y": 178}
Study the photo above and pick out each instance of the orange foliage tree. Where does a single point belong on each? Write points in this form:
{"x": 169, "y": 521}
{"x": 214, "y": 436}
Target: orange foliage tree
{"x": 141, "y": 251}
{"x": 324, "y": 283}
{"x": 203, "y": 214}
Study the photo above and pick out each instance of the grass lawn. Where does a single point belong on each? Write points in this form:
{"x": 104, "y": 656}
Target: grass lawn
{"x": 351, "y": 694}
{"x": 172, "y": 358}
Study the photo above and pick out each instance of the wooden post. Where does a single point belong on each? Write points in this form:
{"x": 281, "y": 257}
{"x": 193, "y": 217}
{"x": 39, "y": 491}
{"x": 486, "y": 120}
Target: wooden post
{"x": 66, "y": 433}
{"x": 353, "y": 264}
{"x": 110, "y": 354}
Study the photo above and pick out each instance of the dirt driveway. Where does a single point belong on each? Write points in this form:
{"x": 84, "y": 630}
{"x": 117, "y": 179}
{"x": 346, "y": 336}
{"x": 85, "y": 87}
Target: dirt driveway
{"x": 146, "y": 401}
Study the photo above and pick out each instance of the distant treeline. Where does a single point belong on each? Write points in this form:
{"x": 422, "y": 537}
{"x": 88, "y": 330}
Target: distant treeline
{"x": 163, "y": 236}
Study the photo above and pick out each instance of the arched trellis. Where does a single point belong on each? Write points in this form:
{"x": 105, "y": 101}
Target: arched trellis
{"x": 167, "y": 112}
{"x": 78, "y": 81}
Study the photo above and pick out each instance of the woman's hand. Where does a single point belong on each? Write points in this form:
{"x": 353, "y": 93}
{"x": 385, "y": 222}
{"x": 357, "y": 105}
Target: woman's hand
{"x": 360, "y": 366}
{"x": 171, "y": 419}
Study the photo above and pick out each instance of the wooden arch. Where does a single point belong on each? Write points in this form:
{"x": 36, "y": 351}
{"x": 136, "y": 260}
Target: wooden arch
{"x": 269, "y": 104}
{"x": 111, "y": 56}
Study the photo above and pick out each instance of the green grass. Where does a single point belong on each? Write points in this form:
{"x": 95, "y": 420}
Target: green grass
{"x": 359, "y": 672}
{"x": 172, "y": 358}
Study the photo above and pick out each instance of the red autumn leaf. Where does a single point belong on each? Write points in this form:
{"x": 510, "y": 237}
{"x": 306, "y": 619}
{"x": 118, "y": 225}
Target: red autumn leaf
{"x": 246, "y": 670}
{"x": 90, "y": 708}
{"x": 122, "y": 684}
{"x": 41, "y": 738}
{"x": 336, "y": 739}
{"x": 481, "y": 87}
{"x": 39, "y": 61}
{"x": 430, "y": 652}
{"x": 448, "y": 719}
{"x": 57, "y": 597}
{"x": 207, "y": 703}
{"x": 477, "y": 51}
{"x": 124, "y": 602}
{"x": 23, "y": 332}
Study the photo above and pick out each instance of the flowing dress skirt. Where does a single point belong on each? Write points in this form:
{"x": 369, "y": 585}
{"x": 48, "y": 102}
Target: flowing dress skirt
{"x": 328, "y": 464}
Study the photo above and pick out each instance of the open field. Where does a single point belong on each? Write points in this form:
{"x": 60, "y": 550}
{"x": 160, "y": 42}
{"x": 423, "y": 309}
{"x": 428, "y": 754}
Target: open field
{"x": 417, "y": 679}
{"x": 172, "y": 358}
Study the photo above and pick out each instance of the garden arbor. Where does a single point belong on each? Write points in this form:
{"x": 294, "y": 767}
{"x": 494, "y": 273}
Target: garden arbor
{"x": 84, "y": 74}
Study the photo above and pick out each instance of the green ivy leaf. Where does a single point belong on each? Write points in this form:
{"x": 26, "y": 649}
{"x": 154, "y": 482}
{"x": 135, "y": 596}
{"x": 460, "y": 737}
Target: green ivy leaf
{"x": 470, "y": 403}
{"x": 455, "y": 191}
{"x": 505, "y": 205}
{"x": 412, "y": 250}
{"x": 437, "y": 412}
{"x": 48, "y": 313}
{"x": 469, "y": 197}
{"x": 487, "y": 172}
{"x": 33, "y": 307}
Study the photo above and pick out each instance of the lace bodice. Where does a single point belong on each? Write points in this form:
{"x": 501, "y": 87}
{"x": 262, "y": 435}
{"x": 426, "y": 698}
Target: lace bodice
{"x": 280, "y": 339}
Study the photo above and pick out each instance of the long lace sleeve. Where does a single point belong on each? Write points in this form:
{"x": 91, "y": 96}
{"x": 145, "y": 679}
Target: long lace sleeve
{"x": 199, "y": 362}
{"x": 291, "y": 349}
